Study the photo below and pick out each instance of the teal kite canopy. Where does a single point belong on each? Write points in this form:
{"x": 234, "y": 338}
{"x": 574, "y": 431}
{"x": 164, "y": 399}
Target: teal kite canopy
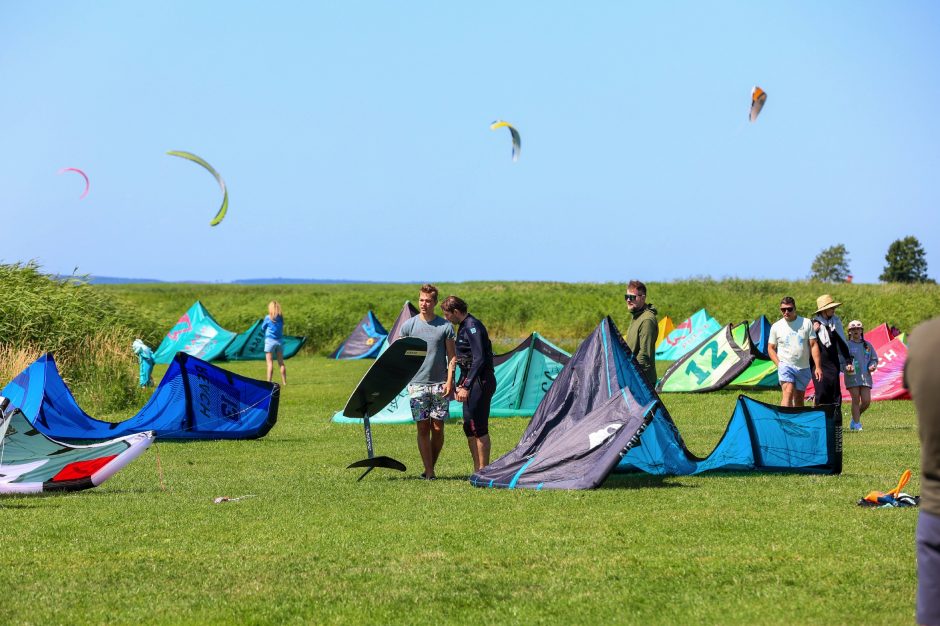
{"x": 249, "y": 345}
{"x": 199, "y": 335}
{"x": 687, "y": 335}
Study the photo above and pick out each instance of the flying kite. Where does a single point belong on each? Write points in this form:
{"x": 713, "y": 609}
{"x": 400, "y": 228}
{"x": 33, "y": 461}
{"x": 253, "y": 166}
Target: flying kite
{"x": 75, "y": 169}
{"x": 192, "y": 157}
{"x": 758, "y": 98}
{"x": 516, "y": 141}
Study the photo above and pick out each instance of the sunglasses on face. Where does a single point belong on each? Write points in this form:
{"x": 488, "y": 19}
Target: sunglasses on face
{"x": 786, "y": 309}
{"x": 630, "y": 297}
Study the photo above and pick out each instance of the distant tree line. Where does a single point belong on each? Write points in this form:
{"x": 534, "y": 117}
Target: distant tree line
{"x": 906, "y": 262}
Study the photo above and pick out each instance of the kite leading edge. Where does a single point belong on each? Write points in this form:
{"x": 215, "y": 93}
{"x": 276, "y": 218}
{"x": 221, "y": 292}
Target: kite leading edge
{"x": 192, "y": 157}
{"x": 758, "y": 98}
{"x": 83, "y": 175}
{"x": 516, "y": 140}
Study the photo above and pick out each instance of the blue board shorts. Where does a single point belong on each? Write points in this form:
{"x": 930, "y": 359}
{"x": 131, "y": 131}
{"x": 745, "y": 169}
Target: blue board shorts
{"x": 799, "y": 377}
{"x": 428, "y": 401}
{"x": 272, "y": 345}
{"x": 928, "y": 568}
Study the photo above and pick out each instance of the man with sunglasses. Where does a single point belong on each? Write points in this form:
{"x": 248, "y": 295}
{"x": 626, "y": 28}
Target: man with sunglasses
{"x": 792, "y": 340}
{"x": 643, "y": 330}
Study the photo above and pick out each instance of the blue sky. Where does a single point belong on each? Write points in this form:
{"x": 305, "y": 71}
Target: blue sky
{"x": 354, "y": 138}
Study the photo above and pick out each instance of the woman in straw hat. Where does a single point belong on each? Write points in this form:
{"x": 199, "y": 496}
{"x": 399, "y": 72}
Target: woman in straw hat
{"x": 833, "y": 351}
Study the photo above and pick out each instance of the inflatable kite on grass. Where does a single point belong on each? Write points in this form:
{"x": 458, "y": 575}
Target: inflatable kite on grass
{"x": 601, "y": 415}
{"x": 192, "y": 157}
{"x": 887, "y": 382}
{"x": 194, "y": 400}
{"x": 516, "y": 140}
{"x": 80, "y": 173}
{"x": 198, "y": 334}
{"x": 31, "y": 463}
{"x": 758, "y": 98}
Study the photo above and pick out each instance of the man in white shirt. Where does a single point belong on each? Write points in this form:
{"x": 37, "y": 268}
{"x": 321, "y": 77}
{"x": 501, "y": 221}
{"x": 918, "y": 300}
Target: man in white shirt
{"x": 792, "y": 340}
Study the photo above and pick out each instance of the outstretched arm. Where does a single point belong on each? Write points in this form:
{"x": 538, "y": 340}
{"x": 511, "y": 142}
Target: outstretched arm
{"x": 451, "y": 365}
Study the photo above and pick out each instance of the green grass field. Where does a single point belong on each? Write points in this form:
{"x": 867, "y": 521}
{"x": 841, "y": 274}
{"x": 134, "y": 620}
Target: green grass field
{"x": 315, "y": 546}
{"x": 563, "y": 312}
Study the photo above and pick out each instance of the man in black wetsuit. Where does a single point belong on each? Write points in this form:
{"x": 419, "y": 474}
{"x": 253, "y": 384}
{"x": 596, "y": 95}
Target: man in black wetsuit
{"x": 477, "y": 382}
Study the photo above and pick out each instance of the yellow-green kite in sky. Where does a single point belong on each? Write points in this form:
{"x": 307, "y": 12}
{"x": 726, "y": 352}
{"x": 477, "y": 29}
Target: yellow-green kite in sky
{"x": 192, "y": 157}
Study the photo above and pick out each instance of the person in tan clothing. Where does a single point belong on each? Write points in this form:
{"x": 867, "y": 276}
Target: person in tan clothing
{"x": 922, "y": 378}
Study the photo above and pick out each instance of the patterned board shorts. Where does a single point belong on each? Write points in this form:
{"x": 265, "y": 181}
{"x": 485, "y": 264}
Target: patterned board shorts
{"x": 428, "y": 401}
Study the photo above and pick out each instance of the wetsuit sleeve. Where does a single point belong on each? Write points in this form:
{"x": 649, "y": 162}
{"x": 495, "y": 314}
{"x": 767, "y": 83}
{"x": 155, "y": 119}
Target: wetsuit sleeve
{"x": 844, "y": 355}
{"x": 476, "y": 350}
{"x": 646, "y": 343}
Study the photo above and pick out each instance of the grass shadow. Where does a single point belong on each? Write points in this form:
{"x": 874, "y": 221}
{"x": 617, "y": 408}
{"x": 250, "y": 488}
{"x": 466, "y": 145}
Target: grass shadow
{"x": 439, "y": 477}
{"x": 34, "y": 503}
{"x": 643, "y": 481}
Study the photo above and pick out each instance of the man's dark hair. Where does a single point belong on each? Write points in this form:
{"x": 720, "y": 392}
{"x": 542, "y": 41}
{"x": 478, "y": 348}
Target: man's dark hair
{"x": 430, "y": 289}
{"x": 453, "y": 303}
{"x": 788, "y": 300}
{"x": 637, "y": 286}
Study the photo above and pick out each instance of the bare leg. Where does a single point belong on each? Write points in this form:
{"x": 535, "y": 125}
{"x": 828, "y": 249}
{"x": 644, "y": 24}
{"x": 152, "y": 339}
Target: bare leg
{"x": 424, "y": 447}
{"x": 474, "y": 452}
{"x": 798, "y": 397}
{"x": 437, "y": 441}
{"x": 268, "y": 357}
{"x": 865, "y": 393}
{"x": 280, "y": 362}
{"x": 856, "y": 403}
{"x": 483, "y": 451}
{"x": 786, "y": 397}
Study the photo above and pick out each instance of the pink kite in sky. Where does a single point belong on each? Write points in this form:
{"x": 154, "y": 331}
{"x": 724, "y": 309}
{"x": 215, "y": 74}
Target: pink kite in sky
{"x": 75, "y": 169}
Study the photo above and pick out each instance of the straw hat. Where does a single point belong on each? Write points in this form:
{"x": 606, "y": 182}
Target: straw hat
{"x": 824, "y": 302}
